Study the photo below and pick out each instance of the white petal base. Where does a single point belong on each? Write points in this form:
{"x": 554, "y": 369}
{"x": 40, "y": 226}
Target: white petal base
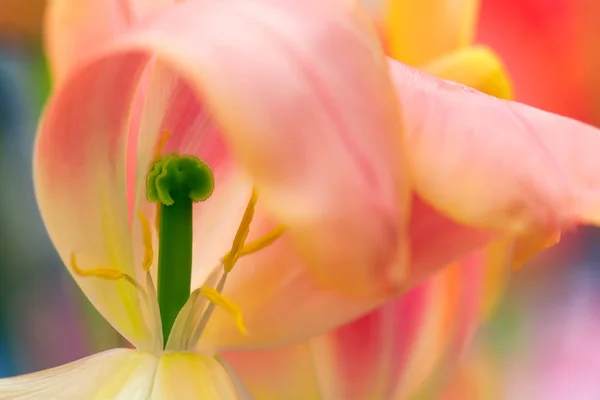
{"x": 125, "y": 374}
{"x": 115, "y": 374}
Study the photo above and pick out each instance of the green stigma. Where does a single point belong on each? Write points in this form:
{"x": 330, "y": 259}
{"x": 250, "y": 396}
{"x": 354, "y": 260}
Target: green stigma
{"x": 176, "y": 182}
{"x": 174, "y": 176}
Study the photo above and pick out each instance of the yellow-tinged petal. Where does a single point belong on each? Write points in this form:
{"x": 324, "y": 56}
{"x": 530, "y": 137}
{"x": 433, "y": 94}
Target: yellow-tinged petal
{"x": 418, "y": 31}
{"x": 120, "y": 374}
{"x": 80, "y": 184}
{"x": 500, "y": 258}
{"x": 189, "y": 376}
{"x": 527, "y": 246}
{"x": 505, "y": 255}
{"x": 476, "y": 67}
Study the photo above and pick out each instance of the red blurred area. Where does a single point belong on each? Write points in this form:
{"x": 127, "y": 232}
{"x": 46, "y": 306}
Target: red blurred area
{"x": 543, "y": 44}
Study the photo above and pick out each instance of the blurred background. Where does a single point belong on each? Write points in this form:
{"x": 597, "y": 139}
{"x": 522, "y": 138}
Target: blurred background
{"x": 540, "y": 343}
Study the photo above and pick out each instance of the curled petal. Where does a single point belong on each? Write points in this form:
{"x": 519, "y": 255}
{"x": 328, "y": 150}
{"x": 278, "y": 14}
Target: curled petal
{"x": 72, "y": 30}
{"x": 119, "y": 374}
{"x": 494, "y": 164}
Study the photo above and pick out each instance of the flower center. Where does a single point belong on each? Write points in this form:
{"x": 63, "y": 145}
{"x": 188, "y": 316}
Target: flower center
{"x": 175, "y": 182}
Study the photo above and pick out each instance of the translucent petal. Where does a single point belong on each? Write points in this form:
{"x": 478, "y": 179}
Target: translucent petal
{"x": 80, "y": 181}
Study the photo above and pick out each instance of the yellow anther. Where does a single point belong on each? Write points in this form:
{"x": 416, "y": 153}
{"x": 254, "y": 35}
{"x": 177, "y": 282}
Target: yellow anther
{"x": 102, "y": 273}
{"x": 261, "y": 242}
{"x": 158, "y": 154}
{"x": 226, "y": 304}
{"x": 161, "y": 145}
{"x": 147, "y": 238}
{"x": 232, "y": 256}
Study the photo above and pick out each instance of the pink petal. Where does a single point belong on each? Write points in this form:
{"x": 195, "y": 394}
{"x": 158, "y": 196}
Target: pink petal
{"x": 437, "y": 240}
{"x": 391, "y": 352}
{"x": 496, "y": 164}
{"x": 72, "y": 30}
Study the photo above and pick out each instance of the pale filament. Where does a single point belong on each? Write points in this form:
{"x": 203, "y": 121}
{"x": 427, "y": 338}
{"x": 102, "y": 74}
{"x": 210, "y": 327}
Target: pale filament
{"x": 239, "y": 249}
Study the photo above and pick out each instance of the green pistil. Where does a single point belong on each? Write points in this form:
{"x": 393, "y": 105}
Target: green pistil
{"x": 175, "y": 182}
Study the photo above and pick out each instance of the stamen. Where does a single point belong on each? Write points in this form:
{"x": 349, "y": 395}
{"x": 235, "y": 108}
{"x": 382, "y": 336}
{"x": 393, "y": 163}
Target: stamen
{"x": 232, "y": 256}
{"x": 262, "y": 242}
{"x": 147, "y": 239}
{"x": 102, "y": 273}
{"x": 161, "y": 145}
{"x": 226, "y": 304}
{"x": 157, "y": 154}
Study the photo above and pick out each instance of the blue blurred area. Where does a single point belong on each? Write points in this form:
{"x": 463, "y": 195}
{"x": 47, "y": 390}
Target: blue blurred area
{"x": 44, "y": 319}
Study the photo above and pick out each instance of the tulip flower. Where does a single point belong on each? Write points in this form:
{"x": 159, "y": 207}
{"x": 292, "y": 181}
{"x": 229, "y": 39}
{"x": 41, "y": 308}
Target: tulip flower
{"x": 308, "y": 132}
